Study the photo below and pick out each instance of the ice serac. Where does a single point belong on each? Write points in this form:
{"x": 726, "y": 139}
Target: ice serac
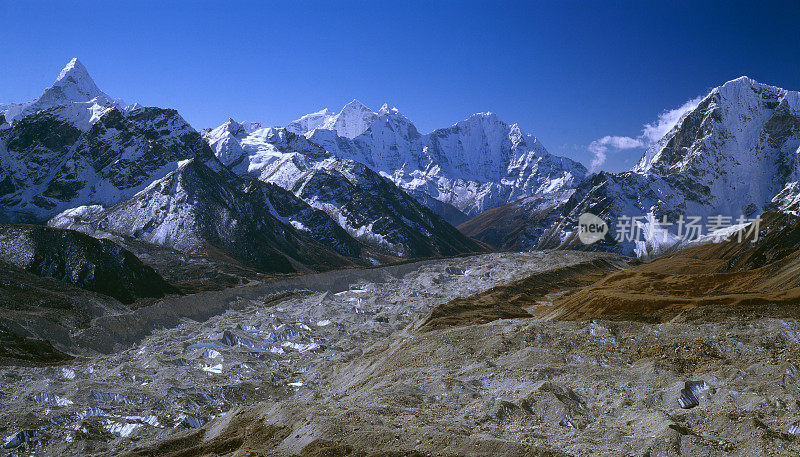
{"x": 214, "y": 213}
{"x": 474, "y": 165}
{"x": 75, "y": 146}
{"x": 366, "y": 205}
{"x": 734, "y": 155}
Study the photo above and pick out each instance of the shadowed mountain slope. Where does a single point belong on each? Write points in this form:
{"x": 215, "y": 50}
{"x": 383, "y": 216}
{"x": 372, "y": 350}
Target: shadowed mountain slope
{"x": 75, "y": 258}
{"x": 198, "y": 210}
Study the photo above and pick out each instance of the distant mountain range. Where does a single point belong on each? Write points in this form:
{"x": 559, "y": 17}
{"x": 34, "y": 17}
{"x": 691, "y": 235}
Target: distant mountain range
{"x": 734, "y": 155}
{"x": 91, "y": 163}
{"x": 369, "y": 207}
{"x": 474, "y": 165}
{"x": 361, "y": 186}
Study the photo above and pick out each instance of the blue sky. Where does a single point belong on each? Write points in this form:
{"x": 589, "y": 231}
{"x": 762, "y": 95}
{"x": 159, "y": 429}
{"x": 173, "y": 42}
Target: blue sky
{"x": 568, "y": 72}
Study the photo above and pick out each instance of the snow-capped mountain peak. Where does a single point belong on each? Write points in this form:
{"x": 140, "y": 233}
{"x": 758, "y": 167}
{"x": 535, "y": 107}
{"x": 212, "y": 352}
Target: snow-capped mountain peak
{"x": 741, "y": 81}
{"x": 386, "y": 110}
{"x": 75, "y": 146}
{"x": 75, "y": 89}
{"x": 516, "y": 135}
{"x": 735, "y": 154}
{"x": 743, "y": 88}
{"x": 481, "y": 118}
{"x": 76, "y": 84}
{"x": 73, "y": 85}
{"x": 310, "y": 122}
{"x": 473, "y": 165}
{"x": 353, "y": 120}
{"x": 737, "y": 112}
{"x": 232, "y": 127}
{"x": 355, "y": 106}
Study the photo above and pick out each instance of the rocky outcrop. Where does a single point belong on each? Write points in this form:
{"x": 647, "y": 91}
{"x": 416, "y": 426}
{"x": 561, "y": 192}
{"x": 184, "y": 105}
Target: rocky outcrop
{"x": 97, "y": 265}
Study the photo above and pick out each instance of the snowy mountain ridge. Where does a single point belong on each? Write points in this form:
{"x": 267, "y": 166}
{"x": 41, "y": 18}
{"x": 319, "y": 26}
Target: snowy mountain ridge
{"x": 200, "y": 210}
{"x": 353, "y": 120}
{"x": 732, "y": 157}
{"x": 475, "y": 164}
{"x": 736, "y": 155}
{"x": 368, "y": 206}
{"x": 739, "y": 148}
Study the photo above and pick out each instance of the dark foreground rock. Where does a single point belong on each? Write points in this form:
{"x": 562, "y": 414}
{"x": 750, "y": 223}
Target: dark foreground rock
{"x": 88, "y": 263}
{"x": 40, "y": 316}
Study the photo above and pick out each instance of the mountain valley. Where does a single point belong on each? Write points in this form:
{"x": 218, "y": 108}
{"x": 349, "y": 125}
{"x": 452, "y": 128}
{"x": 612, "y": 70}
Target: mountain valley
{"x": 347, "y": 285}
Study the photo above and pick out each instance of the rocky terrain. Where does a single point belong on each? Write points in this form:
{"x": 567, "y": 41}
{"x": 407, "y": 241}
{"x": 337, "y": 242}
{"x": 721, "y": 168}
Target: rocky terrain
{"x": 38, "y": 315}
{"x": 754, "y": 280}
{"x": 517, "y": 225}
{"x": 195, "y": 209}
{"x": 221, "y": 350}
{"x": 85, "y": 262}
{"x": 462, "y": 356}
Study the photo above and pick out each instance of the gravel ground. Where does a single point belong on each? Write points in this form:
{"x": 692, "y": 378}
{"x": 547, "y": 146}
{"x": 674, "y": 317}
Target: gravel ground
{"x": 351, "y": 372}
{"x": 269, "y": 348}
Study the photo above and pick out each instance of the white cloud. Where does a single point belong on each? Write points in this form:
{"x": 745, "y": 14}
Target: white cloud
{"x": 598, "y": 160}
{"x": 599, "y": 148}
{"x": 651, "y": 133}
{"x": 667, "y": 120}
